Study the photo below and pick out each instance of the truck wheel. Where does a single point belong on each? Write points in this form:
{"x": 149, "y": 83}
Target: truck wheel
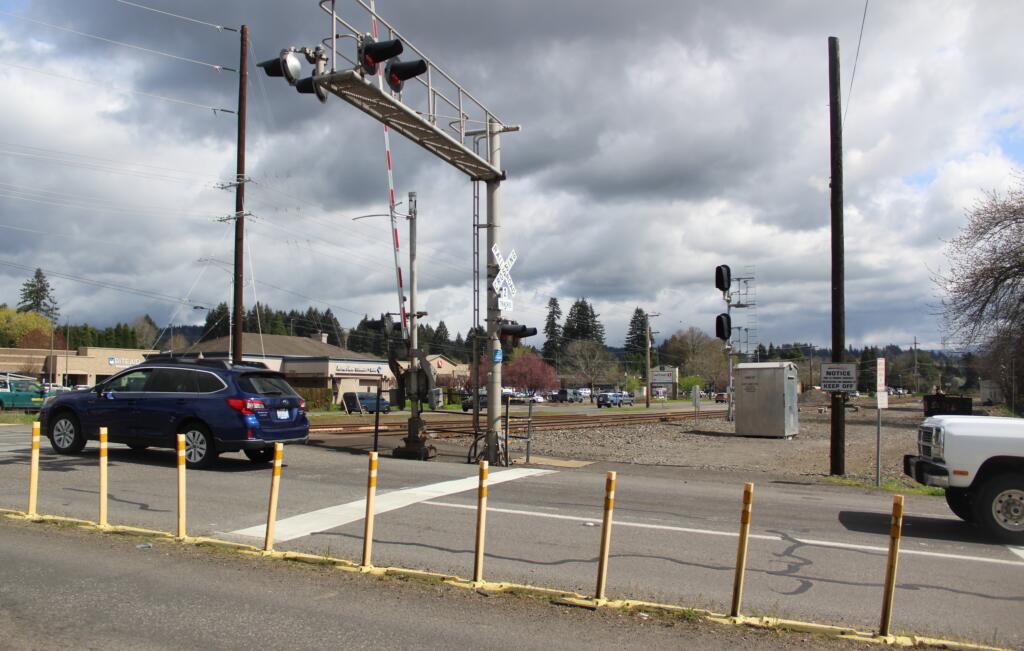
{"x": 959, "y": 501}
{"x": 1000, "y": 507}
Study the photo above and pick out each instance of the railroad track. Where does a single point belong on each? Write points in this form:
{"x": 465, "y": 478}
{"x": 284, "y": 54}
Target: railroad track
{"x": 463, "y": 427}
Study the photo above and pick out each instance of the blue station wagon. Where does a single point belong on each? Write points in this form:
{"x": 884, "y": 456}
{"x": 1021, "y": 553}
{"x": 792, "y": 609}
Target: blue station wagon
{"x": 218, "y": 406}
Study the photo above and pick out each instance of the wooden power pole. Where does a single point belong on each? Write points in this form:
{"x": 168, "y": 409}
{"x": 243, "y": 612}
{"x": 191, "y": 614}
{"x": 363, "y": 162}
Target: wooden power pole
{"x": 236, "y": 343}
{"x": 837, "y": 464}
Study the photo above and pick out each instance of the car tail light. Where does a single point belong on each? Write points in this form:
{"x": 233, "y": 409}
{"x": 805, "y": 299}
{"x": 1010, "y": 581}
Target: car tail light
{"x": 302, "y": 406}
{"x": 246, "y": 406}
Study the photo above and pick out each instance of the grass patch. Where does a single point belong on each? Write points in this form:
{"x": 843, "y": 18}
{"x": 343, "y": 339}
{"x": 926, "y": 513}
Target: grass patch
{"x": 888, "y": 486}
{"x": 17, "y": 418}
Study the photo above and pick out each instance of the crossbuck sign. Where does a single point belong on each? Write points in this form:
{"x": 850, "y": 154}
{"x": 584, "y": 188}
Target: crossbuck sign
{"x": 503, "y": 284}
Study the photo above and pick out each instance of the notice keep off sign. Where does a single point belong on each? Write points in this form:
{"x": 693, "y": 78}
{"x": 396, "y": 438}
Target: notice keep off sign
{"x": 839, "y": 377}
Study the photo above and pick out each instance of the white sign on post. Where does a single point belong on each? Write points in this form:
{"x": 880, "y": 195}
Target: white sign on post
{"x": 840, "y": 378}
{"x": 881, "y": 393}
{"x": 503, "y": 285}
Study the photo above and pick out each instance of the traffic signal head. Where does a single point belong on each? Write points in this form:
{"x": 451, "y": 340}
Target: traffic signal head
{"x": 370, "y": 52}
{"x": 286, "y": 65}
{"x": 310, "y": 84}
{"x": 723, "y": 277}
{"x": 513, "y": 332}
{"x": 396, "y": 72}
{"x": 723, "y": 327}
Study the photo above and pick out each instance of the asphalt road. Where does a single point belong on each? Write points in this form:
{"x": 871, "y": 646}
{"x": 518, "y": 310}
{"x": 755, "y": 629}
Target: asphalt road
{"x": 817, "y": 551}
{"x": 66, "y": 588}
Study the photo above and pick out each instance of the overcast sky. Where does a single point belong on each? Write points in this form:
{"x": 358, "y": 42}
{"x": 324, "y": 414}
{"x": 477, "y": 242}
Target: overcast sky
{"x": 658, "y": 140}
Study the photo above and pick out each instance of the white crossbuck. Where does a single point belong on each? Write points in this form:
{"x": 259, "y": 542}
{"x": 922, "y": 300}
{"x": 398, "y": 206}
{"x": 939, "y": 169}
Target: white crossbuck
{"x": 503, "y": 284}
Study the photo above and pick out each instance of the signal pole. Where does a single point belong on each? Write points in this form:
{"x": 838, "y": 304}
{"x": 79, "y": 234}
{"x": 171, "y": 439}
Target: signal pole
{"x": 493, "y": 313}
{"x": 236, "y": 342}
{"x": 647, "y": 318}
{"x": 838, "y": 456}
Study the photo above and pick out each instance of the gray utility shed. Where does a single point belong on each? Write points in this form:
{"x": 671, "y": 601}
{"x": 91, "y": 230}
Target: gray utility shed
{"x": 766, "y": 399}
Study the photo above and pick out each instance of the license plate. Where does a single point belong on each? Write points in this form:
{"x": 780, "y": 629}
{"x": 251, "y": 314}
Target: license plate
{"x": 282, "y": 414}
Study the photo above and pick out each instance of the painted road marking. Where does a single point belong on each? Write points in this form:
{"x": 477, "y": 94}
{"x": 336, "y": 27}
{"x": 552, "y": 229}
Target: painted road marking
{"x": 1019, "y": 551}
{"x": 734, "y": 534}
{"x": 335, "y": 516}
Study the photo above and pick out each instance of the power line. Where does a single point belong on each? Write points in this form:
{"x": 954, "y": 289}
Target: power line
{"x": 96, "y": 283}
{"x": 118, "y": 88}
{"x": 215, "y": 66}
{"x": 849, "y": 93}
{"x": 219, "y": 28}
{"x": 108, "y": 167}
{"x": 111, "y": 161}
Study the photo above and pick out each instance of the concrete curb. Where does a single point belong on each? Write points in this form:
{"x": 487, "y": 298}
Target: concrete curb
{"x": 561, "y": 597}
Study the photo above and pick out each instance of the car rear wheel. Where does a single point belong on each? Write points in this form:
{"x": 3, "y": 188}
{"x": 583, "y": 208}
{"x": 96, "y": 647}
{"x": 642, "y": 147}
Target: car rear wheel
{"x": 999, "y": 508}
{"x": 66, "y": 435}
{"x": 263, "y": 455}
{"x": 199, "y": 447}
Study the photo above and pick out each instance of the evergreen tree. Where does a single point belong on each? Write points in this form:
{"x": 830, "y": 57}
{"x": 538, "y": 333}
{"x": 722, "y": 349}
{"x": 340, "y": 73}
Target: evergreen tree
{"x": 577, "y": 323}
{"x": 596, "y": 327}
{"x": 442, "y": 340}
{"x": 552, "y": 332}
{"x": 636, "y": 338}
{"x": 459, "y": 348}
{"x": 37, "y": 296}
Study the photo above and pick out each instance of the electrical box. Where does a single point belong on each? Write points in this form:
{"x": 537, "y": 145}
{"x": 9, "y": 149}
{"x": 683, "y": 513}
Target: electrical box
{"x": 765, "y": 399}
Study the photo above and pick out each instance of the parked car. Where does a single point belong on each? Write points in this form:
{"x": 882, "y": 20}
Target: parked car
{"x": 218, "y": 406}
{"x": 722, "y": 397}
{"x": 584, "y": 391}
{"x": 568, "y": 395}
{"x": 368, "y": 402}
{"x": 614, "y": 399}
{"x": 467, "y": 401}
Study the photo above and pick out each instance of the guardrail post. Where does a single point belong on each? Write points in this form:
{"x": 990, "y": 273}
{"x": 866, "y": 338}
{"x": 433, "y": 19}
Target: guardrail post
{"x": 275, "y": 487}
{"x": 895, "y": 533}
{"x": 606, "y": 534}
{"x": 371, "y": 493}
{"x": 33, "y": 473}
{"x": 741, "y": 550}
{"x": 181, "y": 486}
{"x": 103, "y": 476}
{"x": 481, "y": 524}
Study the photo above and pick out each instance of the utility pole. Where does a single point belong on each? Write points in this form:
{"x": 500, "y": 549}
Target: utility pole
{"x": 414, "y": 444}
{"x": 647, "y": 318}
{"x": 917, "y": 389}
{"x": 647, "y": 402}
{"x": 236, "y": 344}
{"x": 838, "y": 456}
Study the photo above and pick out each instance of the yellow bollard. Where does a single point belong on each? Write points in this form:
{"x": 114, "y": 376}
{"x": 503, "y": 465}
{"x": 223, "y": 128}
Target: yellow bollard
{"x": 103, "y": 476}
{"x": 481, "y": 524}
{"x": 33, "y": 473}
{"x": 741, "y": 551}
{"x": 275, "y": 486}
{"x": 895, "y": 532}
{"x": 371, "y": 493}
{"x": 181, "y": 486}
{"x": 606, "y": 534}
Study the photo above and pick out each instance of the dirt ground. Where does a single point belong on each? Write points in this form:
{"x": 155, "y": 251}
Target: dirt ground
{"x": 711, "y": 444}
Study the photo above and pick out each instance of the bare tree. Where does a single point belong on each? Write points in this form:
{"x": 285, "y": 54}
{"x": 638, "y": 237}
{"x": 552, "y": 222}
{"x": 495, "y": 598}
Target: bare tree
{"x": 984, "y": 288}
{"x": 589, "y": 362}
{"x": 985, "y": 284}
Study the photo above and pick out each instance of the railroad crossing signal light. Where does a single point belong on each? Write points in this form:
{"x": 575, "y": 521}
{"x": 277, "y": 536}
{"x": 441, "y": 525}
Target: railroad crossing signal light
{"x": 513, "y": 332}
{"x": 310, "y": 84}
{"x": 723, "y": 327}
{"x": 396, "y": 72}
{"x": 723, "y": 277}
{"x": 370, "y": 52}
{"x": 286, "y": 65}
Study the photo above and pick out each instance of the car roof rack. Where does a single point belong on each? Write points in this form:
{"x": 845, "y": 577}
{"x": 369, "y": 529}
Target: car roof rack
{"x": 198, "y": 359}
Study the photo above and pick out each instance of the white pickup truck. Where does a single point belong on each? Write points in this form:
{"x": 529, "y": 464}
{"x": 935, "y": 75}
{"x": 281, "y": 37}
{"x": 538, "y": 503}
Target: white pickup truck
{"x": 980, "y": 462}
